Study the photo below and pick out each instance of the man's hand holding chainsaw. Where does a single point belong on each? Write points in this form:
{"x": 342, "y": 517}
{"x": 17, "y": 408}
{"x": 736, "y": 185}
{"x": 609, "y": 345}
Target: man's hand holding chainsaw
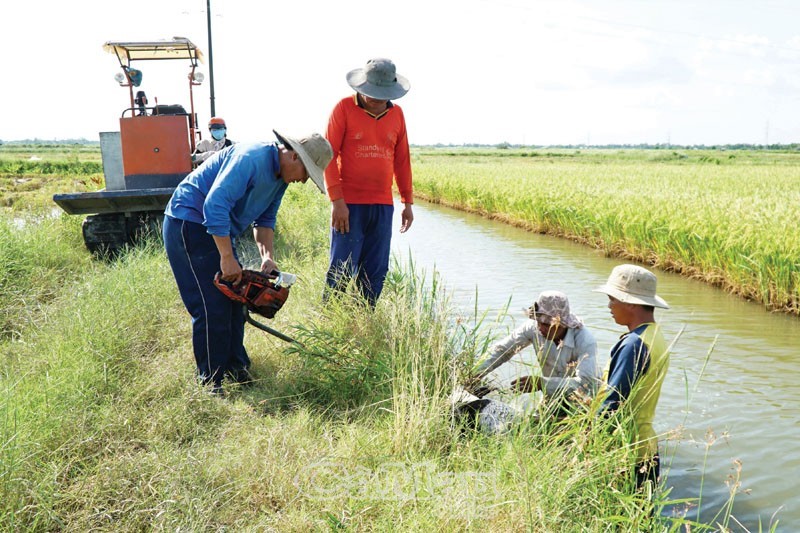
{"x": 264, "y": 238}
{"x": 228, "y": 265}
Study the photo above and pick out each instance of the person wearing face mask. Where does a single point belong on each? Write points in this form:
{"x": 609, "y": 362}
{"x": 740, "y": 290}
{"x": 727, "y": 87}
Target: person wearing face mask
{"x": 219, "y": 140}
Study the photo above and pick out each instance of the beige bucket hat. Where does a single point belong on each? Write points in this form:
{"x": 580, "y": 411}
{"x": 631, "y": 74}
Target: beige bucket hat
{"x": 632, "y": 284}
{"x": 378, "y": 79}
{"x": 555, "y": 305}
{"x": 315, "y": 152}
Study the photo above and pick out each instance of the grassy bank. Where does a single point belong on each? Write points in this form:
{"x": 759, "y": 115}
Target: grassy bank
{"x": 103, "y": 428}
{"x": 728, "y": 218}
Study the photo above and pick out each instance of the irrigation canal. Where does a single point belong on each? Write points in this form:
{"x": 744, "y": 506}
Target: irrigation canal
{"x": 746, "y": 406}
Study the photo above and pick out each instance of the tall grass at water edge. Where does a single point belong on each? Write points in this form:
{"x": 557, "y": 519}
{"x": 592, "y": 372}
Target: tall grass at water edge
{"x": 732, "y": 224}
{"x": 102, "y": 426}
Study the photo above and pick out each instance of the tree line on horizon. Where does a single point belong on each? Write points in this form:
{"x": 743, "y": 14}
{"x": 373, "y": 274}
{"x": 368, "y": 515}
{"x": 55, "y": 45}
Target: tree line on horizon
{"x": 499, "y": 146}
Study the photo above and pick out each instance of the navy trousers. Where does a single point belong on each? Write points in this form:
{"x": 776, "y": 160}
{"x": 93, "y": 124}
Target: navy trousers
{"x": 217, "y": 322}
{"x": 363, "y": 253}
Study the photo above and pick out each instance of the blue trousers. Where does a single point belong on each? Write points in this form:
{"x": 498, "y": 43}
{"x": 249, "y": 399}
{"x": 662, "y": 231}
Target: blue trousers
{"x": 363, "y": 253}
{"x": 217, "y": 322}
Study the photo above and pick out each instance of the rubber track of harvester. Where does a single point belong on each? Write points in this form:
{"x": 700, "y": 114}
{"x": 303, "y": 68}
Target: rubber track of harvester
{"x": 108, "y": 234}
{"x": 105, "y": 234}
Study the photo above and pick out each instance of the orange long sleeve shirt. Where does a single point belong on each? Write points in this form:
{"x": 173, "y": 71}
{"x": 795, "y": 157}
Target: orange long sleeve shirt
{"x": 368, "y": 151}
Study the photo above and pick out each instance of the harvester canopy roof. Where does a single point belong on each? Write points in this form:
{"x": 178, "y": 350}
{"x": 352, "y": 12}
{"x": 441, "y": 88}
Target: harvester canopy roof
{"x": 177, "y": 48}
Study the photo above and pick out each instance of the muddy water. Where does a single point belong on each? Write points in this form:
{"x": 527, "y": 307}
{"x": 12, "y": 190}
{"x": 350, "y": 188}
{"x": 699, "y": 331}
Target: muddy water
{"x": 742, "y": 415}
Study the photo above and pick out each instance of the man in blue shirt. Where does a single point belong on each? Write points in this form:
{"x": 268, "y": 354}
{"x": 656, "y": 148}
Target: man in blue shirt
{"x": 240, "y": 185}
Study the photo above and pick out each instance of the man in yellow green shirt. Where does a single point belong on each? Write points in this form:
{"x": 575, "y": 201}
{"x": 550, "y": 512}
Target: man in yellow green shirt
{"x": 638, "y": 361}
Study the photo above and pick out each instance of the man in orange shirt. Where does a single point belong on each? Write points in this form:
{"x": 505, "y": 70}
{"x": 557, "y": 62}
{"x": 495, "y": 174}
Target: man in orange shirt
{"x": 370, "y": 149}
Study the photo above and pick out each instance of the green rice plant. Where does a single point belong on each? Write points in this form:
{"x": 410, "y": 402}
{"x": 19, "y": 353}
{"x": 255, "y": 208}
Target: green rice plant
{"x": 31, "y": 174}
{"x": 50, "y": 152}
{"x": 731, "y": 225}
{"x": 32, "y": 193}
{"x": 73, "y": 167}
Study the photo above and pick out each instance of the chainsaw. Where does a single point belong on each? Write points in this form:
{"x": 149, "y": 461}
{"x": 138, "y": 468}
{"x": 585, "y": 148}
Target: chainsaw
{"x": 260, "y": 293}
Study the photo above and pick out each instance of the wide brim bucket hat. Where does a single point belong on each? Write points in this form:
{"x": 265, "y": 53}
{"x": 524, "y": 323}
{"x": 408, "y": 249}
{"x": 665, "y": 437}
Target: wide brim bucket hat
{"x": 632, "y": 284}
{"x": 554, "y": 304}
{"x": 378, "y": 79}
{"x": 315, "y": 152}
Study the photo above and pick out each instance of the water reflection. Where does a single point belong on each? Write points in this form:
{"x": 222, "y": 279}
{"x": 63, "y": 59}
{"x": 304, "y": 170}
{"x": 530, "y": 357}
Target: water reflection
{"x": 745, "y": 408}
{"x": 21, "y": 221}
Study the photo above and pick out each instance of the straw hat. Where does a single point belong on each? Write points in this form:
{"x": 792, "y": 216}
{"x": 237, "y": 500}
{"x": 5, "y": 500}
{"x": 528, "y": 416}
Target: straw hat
{"x": 633, "y": 284}
{"x": 315, "y": 152}
{"x": 379, "y": 80}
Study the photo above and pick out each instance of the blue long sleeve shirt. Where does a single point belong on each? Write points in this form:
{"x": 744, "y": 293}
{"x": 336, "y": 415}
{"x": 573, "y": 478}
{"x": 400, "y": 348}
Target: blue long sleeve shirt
{"x": 235, "y": 187}
{"x": 635, "y": 374}
{"x": 630, "y": 358}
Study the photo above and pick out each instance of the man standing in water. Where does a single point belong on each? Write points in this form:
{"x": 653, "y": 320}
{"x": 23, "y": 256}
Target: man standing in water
{"x": 638, "y": 361}
{"x": 370, "y": 147}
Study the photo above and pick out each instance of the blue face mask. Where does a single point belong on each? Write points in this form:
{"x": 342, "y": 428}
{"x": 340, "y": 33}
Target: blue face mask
{"x": 218, "y": 134}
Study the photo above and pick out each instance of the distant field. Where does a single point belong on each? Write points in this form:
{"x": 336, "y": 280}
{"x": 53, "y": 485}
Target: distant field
{"x": 31, "y": 174}
{"x": 727, "y": 217}
{"x": 50, "y": 152}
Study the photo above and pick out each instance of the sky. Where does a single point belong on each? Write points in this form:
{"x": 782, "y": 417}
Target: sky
{"x": 481, "y": 71}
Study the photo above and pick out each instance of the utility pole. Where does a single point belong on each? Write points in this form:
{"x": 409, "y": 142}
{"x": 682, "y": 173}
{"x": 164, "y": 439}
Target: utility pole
{"x": 210, "y": 59}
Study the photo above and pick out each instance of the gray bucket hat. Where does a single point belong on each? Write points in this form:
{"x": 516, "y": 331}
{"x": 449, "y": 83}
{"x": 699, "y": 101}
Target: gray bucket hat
{"x": 555, "y": 305}
{"x": 379, "y": 80}
{"x": 632, "y": 284}
{"x": 315, "y": 152}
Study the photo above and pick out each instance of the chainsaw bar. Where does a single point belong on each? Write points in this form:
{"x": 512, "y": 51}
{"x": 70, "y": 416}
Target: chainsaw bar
{"x": 263, "y": 327}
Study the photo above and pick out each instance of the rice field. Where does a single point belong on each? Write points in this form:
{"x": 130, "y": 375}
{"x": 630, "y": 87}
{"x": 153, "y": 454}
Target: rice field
{"x": 31, "y": 174}
{"x": 728, "y": 218}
